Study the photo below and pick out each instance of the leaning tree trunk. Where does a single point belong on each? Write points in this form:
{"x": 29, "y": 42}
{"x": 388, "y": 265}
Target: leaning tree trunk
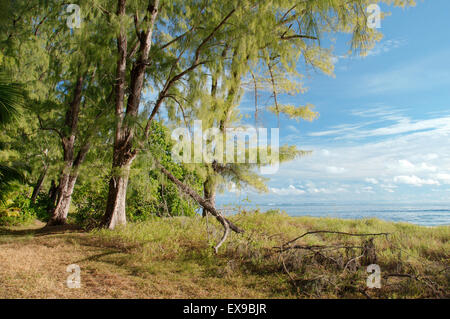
{"x": 38, "y": 186}
{"x": 201, "y": 201}
{"x": 209, "y": 192}
{"x": 227, "y": 225}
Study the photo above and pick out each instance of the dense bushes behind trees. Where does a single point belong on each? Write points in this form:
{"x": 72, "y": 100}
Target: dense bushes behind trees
{"x": 149, "y": 194}
{"x": 20, "y": 210}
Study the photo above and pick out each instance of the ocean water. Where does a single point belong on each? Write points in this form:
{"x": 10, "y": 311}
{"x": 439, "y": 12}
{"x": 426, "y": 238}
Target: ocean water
{"x": 420, "y": 214}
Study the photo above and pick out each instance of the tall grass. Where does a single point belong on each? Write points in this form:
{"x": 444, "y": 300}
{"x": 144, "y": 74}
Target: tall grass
{"x": 414, "y": 260}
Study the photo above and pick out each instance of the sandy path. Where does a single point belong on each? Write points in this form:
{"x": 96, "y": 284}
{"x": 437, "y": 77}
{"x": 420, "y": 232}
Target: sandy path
{"x": 33, "y": 265}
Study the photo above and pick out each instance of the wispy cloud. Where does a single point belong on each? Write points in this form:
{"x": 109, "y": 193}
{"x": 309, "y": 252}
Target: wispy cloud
{"x": 401, "y": 125}
{"x": 381, "y": 47}
{"x": 400, "y": 153}
{"x": 416, "y": 75}
{"x": 386, "y": 46}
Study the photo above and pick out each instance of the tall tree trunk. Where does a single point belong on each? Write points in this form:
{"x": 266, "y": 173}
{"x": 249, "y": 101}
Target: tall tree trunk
{"x": 123, "y": 152}
{"x": 115, "y": 207}
{"x": 69, "y": 173}
{"x": 67, "y": 181}
{"x": 65, "y": 190}
{"x": 38, "y": 186}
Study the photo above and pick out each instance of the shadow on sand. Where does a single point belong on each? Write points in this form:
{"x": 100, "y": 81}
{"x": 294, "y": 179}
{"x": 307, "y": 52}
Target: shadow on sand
{"x": 39, "y": 228}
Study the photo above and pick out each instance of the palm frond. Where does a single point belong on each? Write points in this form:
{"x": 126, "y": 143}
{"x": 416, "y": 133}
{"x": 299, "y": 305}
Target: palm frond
{"x": 11, "y": 99}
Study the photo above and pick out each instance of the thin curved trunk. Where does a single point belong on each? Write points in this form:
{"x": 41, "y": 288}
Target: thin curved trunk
{"x": 53, "y": 196}
{"x": 38, "y": 186}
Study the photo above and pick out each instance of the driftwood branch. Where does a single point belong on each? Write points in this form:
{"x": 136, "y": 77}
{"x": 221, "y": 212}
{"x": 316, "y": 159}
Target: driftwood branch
{"x": 322, "y": 251}
{"x": 330, "y": 232}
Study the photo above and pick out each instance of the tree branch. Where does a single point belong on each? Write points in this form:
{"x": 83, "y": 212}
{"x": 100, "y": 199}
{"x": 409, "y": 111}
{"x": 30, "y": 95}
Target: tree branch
{"x": 41, "y": 126}
{"x": 330, "y": 232}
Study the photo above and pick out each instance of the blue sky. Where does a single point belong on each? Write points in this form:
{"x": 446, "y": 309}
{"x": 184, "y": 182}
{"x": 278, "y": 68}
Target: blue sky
{"x": 384, "y": 127}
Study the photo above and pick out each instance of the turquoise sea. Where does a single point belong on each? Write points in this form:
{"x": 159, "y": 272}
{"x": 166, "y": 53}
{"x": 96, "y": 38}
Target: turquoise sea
{"x": 421, "y": 214}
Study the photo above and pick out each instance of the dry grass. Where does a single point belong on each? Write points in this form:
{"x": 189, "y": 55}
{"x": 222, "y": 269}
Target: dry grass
{"x": 173, "y": 258}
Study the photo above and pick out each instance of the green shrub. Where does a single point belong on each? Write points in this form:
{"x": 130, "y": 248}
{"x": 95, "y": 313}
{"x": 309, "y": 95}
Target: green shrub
{"x": 89, "y": 199}
{"x": 18, "y": 211}
{"x": 41, "y": 207}
{"x": 150, "y": 193}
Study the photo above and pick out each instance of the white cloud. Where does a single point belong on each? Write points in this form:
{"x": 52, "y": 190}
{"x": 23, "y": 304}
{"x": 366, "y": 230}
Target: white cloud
{"x": 426, "y": 167}
{"x": 371, "y": 180}
{"x": 431, "y": 156}
{"x": 415, "y": 181}
{"x": 368, "y": 189}
{"x": 443, "y": 177}
{"x": 335, "y": 170}
{"x": 415, "y": 157}
{"x": 405, "y": 164}
{"x": 403, "y": 125}
{"x": 380, "y": 48}
{"x": 323, "y": 190}
{"x": 325, "y": 152}
{"x": 293, "y": 129}
{"x": 386, "y": 46}
{"x": 380, "y": 112}
{"x": 290, "y": 190}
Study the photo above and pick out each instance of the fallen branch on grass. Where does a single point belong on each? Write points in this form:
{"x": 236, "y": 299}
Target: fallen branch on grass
{"x": 329, "y": 232}
{"x": 428, "y": 282}
{"x": 316, "y": 247}
{"x": 367, "y": 251}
